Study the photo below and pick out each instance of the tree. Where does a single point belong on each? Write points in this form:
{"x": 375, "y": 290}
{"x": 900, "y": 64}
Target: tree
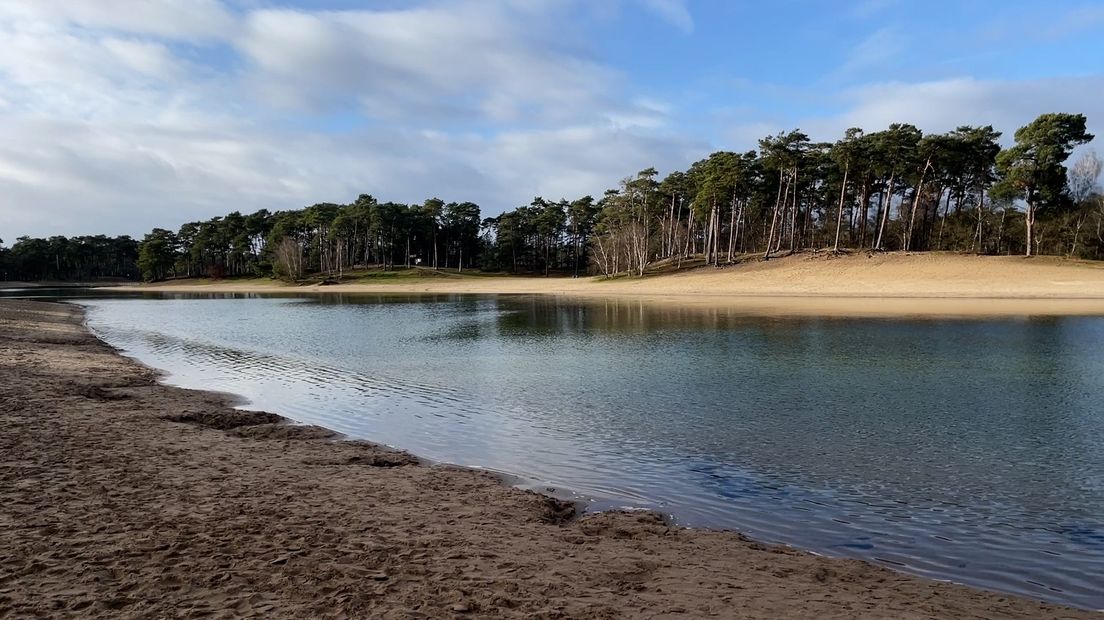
{"x": 5, "y": 263}
{"x": 432, "y": 209}
{"x": 673, "y": 190}
{"x": 1033, "y": 170}
{"x": 581, "y": 214}
{"x": 550, "y": 220}
{"x": 844, "y": 153}
{"x": 462, "y": 223}
{"x": 288, "y": 263}
{"x": 895, "y": 151}
{"x": 714, "y": 178}
{"x": 955, "y": 191}
{"x": 973, "y": 153}
{"x": 1085, "y": 193}
{"x": 641, "y": 194}
{"x": 157, "y": 254}
{"x": 784, "y": 153}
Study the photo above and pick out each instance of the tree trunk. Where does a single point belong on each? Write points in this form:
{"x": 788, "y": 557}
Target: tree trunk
{"x": 669, "y": 234}
{"x": 711, "y": 231}
{"x": 943, "y": 220}
{"x": 716, "y": 235}
{"x": 1077, "y": 235}
{"x": 916, "y": 203}
{"x": 782, "y": 214}
{"x": 740, "y": 228}
{"x": 977, "y": 233}
{"x": 885, "y": 213}
{"x": 1000, "y": 230}
{"x": 865, "y": 218}
{"x": 689, "y": 227}
{"x": 774, "y": 216}
{"x": 793, "y": 214}
{"x": 839, "y": 214}
{"x": 732, "y": 227}
{"x": 931, "y": 215}
{"x": 1029, "y": 220}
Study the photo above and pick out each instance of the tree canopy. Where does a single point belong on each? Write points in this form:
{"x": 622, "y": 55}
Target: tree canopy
{"x": 1033, "y": 169}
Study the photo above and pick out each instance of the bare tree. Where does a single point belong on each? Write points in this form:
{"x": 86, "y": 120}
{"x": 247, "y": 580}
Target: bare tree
{"x": 289, "y": 258}
{"x": 1083, "y": 189}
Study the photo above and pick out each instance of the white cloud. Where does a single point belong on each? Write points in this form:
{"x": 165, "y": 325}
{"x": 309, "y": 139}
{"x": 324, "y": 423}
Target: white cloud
{"x": 942, "y": 105}
{"x": 80, "y": 177}
{"x": 468, "y": 61}
{"x": 116, "y": 120}
{"x": 56, "y": 71}
{"x": 935, "y": 106}
{"x": 745, "y": 136}
{"x": 124, "y": 177}
{"x": 571, "y": 161}
{"x": 674, "y": 11}
{"x": 108, "y": 127}
{"x": 148, "y": 58}
{"x": 876, "y": 51}
{"x": 175, "y": 19}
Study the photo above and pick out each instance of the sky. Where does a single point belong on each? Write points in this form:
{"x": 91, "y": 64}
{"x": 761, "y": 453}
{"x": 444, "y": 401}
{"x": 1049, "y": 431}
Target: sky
{"x": 117, "y": 116}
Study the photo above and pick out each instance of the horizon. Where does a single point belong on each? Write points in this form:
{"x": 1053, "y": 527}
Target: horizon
{"x": 130, "y": 115}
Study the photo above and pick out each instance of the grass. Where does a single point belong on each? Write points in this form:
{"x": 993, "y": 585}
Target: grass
{"x": 397, "y": 274}
{"x": 414, "y": 274}
{"x": 208, "y": 280}
{"x": 352, "y": 276}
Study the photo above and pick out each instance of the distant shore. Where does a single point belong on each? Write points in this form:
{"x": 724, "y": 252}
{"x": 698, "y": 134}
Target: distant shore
{"x": 124, "y": 497}
{"x": 66, "y": 284}
{"x": 928, "y": 284}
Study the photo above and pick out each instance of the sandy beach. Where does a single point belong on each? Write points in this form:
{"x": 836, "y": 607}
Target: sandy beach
{"x": 122, "y": 497}
{"x": 929, "y": 284}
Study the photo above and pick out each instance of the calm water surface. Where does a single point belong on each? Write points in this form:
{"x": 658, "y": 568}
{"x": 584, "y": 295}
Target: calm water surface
{"x": 963, "y": 450}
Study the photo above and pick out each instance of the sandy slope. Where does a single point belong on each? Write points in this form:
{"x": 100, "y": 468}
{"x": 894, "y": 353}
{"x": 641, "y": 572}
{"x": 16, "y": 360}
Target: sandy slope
{"x": 123, "y": 498}
{"x": 886, "y": 284}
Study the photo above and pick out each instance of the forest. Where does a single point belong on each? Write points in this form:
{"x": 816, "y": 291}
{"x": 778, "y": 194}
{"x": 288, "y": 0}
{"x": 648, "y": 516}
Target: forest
{"x": 70, "y": 259}
{"x": 894, "y": 189}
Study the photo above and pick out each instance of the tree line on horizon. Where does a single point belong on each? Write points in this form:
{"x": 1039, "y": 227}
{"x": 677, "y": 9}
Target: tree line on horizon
{"x": 895, "y": 189}
{"x": 70, "y": 259}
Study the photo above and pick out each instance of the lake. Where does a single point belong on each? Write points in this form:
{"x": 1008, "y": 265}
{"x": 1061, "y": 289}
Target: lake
{"x": 969, "y": 450}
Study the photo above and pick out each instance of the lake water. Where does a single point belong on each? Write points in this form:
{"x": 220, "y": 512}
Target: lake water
{"x": 969, "y": 450}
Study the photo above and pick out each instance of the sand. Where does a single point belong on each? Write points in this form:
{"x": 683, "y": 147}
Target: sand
{"x": 895, "y": 284}
{"x": 124, "y": 498}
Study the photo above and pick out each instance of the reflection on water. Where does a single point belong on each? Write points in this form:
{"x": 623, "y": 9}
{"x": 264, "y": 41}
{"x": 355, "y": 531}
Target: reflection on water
{"x": 967, "y": 450}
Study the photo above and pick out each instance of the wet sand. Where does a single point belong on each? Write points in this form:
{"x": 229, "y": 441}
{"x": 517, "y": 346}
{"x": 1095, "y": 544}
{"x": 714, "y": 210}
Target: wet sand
{"x": 896, "y": 284}
{"x": 124, "y": 498}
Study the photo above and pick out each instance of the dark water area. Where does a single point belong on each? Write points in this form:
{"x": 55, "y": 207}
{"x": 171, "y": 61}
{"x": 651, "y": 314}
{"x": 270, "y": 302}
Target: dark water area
{"x": 968, "y": 450}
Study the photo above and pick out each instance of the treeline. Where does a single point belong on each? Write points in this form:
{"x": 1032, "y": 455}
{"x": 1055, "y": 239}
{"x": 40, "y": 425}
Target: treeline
{"x": 890, "y": 190}
{"x": 324, "y": 238}
{"x": 894, "y": 189}
{"x": 69, "y": 259}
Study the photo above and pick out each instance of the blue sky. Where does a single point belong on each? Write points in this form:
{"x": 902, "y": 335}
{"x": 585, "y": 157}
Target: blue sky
{"x": 121, "y": 115}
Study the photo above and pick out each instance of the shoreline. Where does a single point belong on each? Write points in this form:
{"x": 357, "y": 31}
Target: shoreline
{"x": 889, "y": 285}
{"x": 134, "y": 498}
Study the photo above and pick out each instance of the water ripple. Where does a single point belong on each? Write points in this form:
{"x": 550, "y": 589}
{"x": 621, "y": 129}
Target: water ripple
{"x": 967, "y": 451}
